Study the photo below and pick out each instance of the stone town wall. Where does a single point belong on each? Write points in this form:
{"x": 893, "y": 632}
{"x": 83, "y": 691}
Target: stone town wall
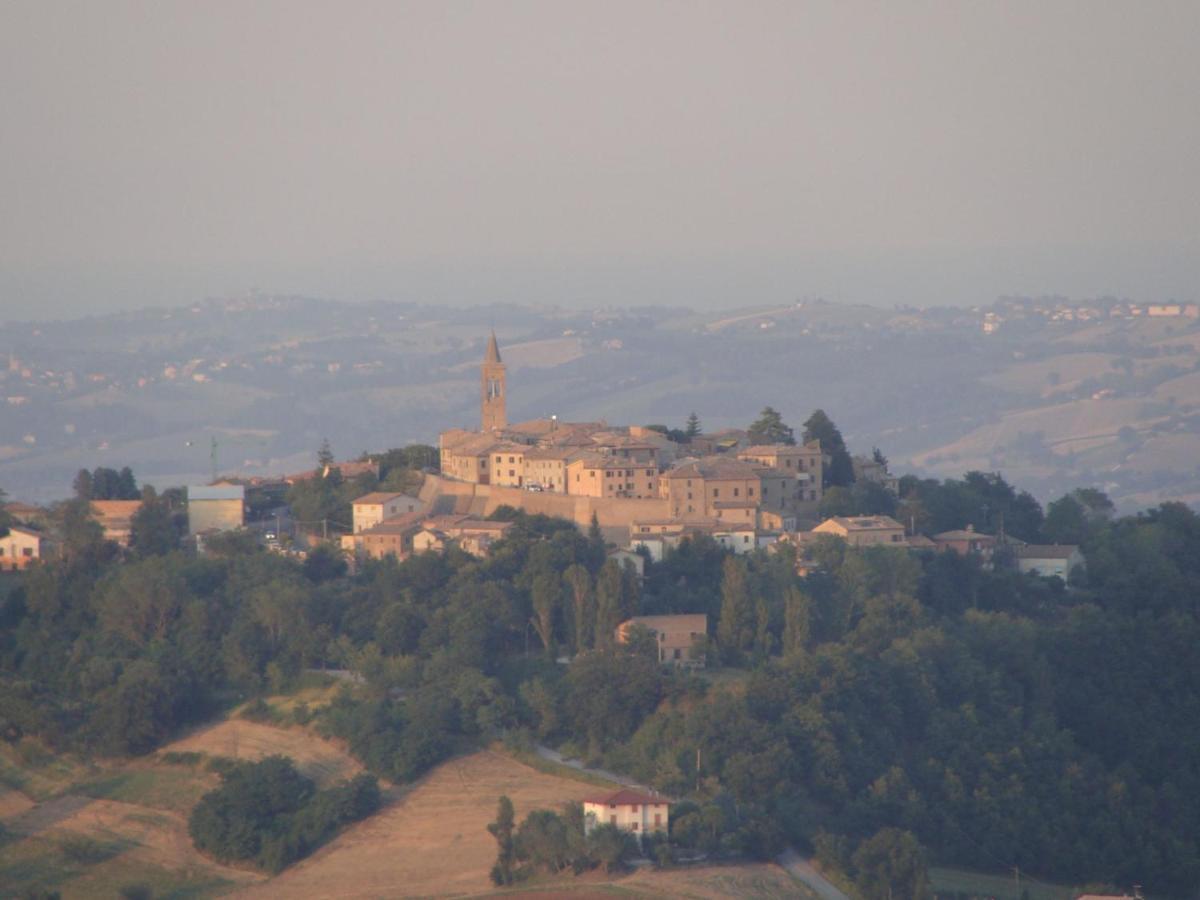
{"x": 444, "y": 495}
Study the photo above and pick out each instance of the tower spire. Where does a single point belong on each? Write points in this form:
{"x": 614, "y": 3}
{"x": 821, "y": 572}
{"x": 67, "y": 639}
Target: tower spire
{"x": 492, "y": 413}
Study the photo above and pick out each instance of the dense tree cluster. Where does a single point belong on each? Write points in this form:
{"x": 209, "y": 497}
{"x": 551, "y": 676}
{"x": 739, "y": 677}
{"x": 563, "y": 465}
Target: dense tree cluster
{"x": 324, "y": 501}
{"x": 890, "y": 708}
{"x": 106, "y": 484}
{"x": 268, "y": 814}
{"x": 553, "y": 842}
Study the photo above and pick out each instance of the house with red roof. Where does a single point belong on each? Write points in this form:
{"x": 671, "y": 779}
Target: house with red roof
{"x": 630, "y": 810}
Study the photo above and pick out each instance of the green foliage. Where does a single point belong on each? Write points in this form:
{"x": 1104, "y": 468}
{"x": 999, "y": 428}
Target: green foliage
{"x": 157, "y": 527}
{"x": 991, "y": 716}
{"x": 269, "y": 814}
{"x": 106, "y": 484}
{"x": 769, "y": 428}
{"x": 502, "y": 830}
{"x": 890, "y": 864}
{"x": 982, "y": 499}
{"x": 839, "y": 470}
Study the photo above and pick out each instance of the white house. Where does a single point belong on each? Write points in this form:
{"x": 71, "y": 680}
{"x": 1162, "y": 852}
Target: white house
{"x": 20, "y": 548}
{"x": 1049, "y": 559}
{"x": 630, "y": 810}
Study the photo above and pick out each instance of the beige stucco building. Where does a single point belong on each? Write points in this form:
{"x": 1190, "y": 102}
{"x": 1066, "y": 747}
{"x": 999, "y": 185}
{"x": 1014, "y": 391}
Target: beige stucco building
{"x": 715, "y": 487}
{"x": 116, "y": 518}
{"x": 864, "y": 531}
{"x": 676, "y": 636}
{"x": 371, "y": 509}
{"x": 216, "y": 508}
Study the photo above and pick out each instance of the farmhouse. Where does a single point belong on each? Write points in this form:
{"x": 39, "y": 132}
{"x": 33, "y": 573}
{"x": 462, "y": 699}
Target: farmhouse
{"x": 630, "y": 810}
{"x": 964, "y": 541}
{"x": 676, "y": 636}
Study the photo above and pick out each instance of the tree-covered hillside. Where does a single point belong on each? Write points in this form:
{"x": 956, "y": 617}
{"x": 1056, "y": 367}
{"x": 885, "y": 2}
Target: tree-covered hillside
{"x": 887, "y": 701}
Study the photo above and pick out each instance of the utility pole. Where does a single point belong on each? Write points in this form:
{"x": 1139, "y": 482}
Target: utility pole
{"x": 697, "y": 770}
{"x": 324, "y": 529}
{"x": 212, "y": 456}
{"x": 1017, "y": 874}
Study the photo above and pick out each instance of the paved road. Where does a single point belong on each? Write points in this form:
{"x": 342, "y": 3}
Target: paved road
{"x": 803, "y": 870}
{"x": 555, "y": 756}
{"x": 796, "y": 865}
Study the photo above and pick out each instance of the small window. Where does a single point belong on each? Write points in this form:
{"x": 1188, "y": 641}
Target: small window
{"x": 635, "y": 808}
{"x": 735, "y": 492}
{"x": 716, "y": 492}
{"x": 27, "y": 551}
{"x": 658, "y": 820}
{"x": 635, "y": 824}
{"x": 750, "y": 492}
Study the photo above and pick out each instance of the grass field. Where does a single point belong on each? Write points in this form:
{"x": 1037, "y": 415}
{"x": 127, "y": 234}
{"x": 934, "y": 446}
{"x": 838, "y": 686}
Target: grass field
{"x": 321, "y": 760}
{"x": 999, "y": 887}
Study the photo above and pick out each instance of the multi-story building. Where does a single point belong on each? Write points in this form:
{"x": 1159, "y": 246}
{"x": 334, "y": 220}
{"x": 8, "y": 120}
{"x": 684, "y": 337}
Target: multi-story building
{"x": 676, "y": 636}
{"x": 378, "y": 506}
{"x": 864, "y": 531}
{"x": 598, "y": 474}
{"x": 219, "y": 507}
{"x": 715, "y": 487}
{"x": 629, "y": 810}
{"x": 116, "y": 518}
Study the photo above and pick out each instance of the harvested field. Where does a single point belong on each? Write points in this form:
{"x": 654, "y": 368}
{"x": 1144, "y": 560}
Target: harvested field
{"x": 761, "y": 880}
{"x": 319, "y": 759}
{"x": 12, "y": 803}
{"x": 84, "y": 847}
{"x": 432, "y": 839}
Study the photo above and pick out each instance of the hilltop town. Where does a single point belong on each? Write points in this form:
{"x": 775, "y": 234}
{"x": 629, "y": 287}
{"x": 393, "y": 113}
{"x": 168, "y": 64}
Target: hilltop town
{"x": 1053, "y": 392}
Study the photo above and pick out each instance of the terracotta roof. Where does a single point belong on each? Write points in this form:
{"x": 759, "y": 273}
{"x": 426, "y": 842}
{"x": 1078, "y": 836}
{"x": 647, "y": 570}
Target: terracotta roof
{"x": 697, "y": 622}
{"x": 396, "y": 524}
{"x": 628, "y": 797}
{"x": 715, "y": 467}
{"x": 20, "y": 529}
{"x": 962, "y": 534}
{"x": 472, "y": 445}
{"x": 20, "y": 510}
{"x": 772, "y": 449}
{"x": 865, "y": 523}
{"x": 375, "y": 498}
{"x": 115, "y": 509}
{"x": 563, "y": 453}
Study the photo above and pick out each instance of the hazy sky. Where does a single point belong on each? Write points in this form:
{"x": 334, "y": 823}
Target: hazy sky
{"x": 636, "y": 152}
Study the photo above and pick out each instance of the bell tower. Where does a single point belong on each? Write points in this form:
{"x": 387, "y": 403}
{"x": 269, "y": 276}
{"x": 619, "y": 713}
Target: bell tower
{"x": 491, "y": 407}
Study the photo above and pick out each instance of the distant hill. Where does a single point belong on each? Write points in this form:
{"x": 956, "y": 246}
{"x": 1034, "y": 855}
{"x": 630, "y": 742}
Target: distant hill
{"x": 1053, "y": 402}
